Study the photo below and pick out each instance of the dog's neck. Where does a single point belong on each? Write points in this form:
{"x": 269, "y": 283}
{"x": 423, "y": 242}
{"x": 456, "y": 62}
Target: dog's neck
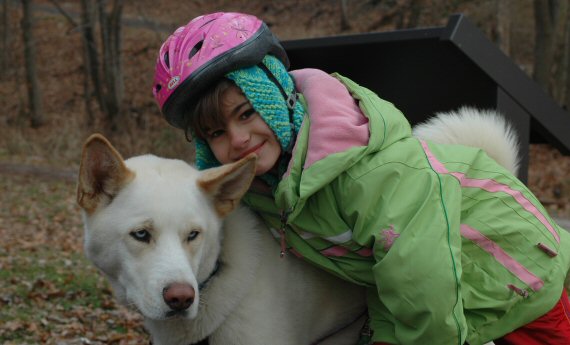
{"x": 214, "y": 272}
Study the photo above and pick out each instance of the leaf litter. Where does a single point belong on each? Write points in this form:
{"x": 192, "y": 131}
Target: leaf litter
{"x": 49, "y": 293}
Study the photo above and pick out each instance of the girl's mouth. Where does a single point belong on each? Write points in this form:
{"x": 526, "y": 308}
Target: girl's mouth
{"x": 251, "y": 150}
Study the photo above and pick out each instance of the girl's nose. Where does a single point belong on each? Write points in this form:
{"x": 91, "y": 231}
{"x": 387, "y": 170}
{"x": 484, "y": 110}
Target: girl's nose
{"x": 239, "y": 137}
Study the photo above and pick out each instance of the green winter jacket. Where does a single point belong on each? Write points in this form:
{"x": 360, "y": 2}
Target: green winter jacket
{"x": 451, "y": 246}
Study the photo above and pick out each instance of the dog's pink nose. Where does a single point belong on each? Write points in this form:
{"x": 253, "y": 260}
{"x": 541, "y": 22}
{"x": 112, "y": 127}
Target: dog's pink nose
{"x": 178, "y": 296}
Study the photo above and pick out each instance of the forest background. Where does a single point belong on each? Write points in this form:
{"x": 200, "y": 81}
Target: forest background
{"x": 71, "y": 68}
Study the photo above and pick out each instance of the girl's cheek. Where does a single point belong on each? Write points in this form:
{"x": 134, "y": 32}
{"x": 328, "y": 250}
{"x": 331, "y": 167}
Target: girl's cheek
{"x": 218, "y": 151}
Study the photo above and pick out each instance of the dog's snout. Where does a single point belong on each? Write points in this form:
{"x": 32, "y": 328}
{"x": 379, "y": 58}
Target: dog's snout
{"x": 178, "y": 296}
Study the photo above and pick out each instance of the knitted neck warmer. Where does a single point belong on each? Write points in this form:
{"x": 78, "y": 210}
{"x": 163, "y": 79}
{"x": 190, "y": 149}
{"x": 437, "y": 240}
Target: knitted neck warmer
{"x": 268, "y": 101}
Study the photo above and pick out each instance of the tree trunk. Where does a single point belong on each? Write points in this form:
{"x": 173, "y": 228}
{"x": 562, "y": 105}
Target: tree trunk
{"x": 103, "y": 70}
{"x": 560, "y": 67}
{"x": 504, "y": 12}
{"x": 344, "y": 22}
{"x": 112, "y": 69}
{"x": 550, "y": 18}
{"x": 90, "y": 61}
{"x": 5, "y": 31}
{"x": 566, "y": 66}
{"x": 34, "y": 92}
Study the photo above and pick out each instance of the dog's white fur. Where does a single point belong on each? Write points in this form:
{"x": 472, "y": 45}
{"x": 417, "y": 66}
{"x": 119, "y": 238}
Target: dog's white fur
{"x": 257, "y": 297}
{"x": 485, "y": 129}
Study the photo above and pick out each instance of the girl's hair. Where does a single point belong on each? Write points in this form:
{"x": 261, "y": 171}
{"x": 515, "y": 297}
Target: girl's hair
{"x": 206, "y": 112}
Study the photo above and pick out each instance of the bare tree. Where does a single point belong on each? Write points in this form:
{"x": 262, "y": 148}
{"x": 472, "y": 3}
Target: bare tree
{"x": 504, "y": 13}
{"x": 103, "y": 67}
{"x": 566, "y": 67}
{"x": 92, "y": 82}
{"x": 34, "y": 92}
{"x": 550, "y": 18}
{"x": 110, "y": 25}
{"x": 89, "y": 53}
{"x": 5, "y": 42}
{"x": 560, "y": 69}
{"x": 344, "y": 22}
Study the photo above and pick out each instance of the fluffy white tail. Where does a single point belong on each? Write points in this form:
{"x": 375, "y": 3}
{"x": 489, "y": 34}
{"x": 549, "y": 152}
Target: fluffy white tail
{"x": 485, "y": 129}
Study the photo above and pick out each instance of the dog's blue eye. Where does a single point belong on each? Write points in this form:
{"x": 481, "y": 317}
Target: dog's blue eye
{"x": 141, "y": 235}
{"x": 193, "y": 234}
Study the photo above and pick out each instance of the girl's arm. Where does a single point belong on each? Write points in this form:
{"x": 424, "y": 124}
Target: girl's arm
{"x": 410, "y": 218}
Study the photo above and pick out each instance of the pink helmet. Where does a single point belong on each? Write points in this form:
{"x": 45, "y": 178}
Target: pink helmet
{"x": 203, "y": 51}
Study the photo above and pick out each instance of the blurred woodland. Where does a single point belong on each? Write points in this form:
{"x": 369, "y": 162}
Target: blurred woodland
{"x": 69, "y": 68}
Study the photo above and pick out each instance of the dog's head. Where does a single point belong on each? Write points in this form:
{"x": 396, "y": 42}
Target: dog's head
{"x": 153, "y": 225}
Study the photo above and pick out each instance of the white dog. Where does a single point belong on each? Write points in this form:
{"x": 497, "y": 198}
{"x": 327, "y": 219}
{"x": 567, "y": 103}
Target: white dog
{"x": 176, "y": 246}
{"x": 166, "y": 237}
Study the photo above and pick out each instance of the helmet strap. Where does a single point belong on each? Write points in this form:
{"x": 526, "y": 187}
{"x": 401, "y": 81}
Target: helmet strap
{"x": 290, "y": 99}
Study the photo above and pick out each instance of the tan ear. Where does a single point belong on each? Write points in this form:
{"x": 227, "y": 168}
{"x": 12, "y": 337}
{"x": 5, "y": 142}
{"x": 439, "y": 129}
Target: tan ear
{"x": 102, "y": 173}
{"x": 227, "y": 184}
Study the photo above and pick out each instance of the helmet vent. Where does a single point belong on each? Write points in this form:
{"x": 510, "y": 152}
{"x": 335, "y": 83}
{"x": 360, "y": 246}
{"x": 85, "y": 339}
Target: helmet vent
{"x": 195, "y": 49}
{"x": 166, "y": 60}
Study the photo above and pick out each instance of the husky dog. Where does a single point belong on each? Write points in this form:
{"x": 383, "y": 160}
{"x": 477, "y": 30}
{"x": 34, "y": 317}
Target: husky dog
{"x": 175, "y": 245}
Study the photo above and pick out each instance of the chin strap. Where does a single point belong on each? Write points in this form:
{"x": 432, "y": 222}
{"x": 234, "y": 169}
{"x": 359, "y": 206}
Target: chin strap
{"x": 203, "y": 284}
{"x": 290, "y": 99}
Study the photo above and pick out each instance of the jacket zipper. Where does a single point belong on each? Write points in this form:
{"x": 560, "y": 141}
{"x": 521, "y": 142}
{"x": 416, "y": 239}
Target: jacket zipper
{"x": 284, "y": 216}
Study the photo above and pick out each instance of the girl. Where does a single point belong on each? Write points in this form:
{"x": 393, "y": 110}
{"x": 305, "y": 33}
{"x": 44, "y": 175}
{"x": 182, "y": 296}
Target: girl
{"x": 451, "y": 246}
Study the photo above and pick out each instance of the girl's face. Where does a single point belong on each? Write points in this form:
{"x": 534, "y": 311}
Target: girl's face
{"x": 244, "y": 132}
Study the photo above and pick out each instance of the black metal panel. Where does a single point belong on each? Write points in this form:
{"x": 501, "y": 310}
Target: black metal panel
{"x": 420, "y": 76}
{"x": 423, "y": 71}
{"x": 549, "y": 121}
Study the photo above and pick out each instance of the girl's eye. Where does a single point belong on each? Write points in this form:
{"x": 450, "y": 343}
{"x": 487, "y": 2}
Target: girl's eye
{"x": 141, "y": 235}
{"x": 192, "y": 235}
{"x": 247, "y": 114}
{"x": 216, "y": 133}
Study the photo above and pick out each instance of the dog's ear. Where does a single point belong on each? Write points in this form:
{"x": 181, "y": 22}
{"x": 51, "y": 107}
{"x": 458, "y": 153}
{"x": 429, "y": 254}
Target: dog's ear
{"x": 228, "y": 183}
{"x": 102, "y": 173}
